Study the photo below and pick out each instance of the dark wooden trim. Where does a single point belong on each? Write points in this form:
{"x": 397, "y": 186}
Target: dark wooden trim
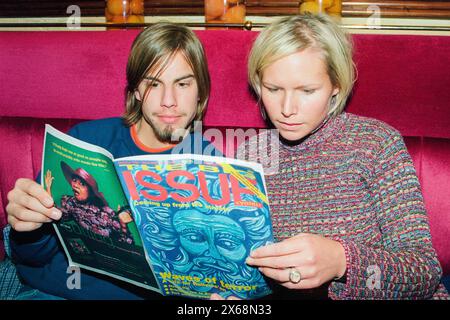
{"x": 194, "y": 24}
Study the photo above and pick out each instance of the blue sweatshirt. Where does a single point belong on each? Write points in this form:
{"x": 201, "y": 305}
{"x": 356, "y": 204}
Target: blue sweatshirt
{"x": 39, "y": 257}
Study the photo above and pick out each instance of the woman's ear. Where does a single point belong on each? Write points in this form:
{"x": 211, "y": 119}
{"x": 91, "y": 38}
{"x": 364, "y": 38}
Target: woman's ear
{"x": 335, "y": 91}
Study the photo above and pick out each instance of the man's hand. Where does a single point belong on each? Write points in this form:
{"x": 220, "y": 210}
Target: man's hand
{"x": 29, "y": 206}
{"x": 216, "y": 296}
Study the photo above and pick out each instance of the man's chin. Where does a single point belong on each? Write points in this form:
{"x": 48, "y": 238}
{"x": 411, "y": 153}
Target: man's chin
{"x": 171, "y": 135}
{"x": 168, "y": 137}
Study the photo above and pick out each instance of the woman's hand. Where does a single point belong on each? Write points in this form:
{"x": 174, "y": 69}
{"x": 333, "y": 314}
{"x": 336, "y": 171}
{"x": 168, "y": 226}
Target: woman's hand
{"x": 316, "y": 258}
{"x": 48, "y": 179}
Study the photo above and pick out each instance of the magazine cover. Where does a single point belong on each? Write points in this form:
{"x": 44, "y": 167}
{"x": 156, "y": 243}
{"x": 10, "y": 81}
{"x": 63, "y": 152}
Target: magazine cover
{"x": 180, "y": 225}
{"x": 97, "y": 229}
{"x": 199, "y": 217}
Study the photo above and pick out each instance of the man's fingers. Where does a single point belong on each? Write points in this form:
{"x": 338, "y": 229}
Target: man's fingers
{"x": 216, "y": 296}
{"x": 19, "y": 201}
{"x": 22, "y": 226}
{"x": 25, "y": 215}
{"x": 35, "y": 190}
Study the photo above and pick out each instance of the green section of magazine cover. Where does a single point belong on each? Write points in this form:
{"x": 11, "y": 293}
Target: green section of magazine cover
{"x": 97, "y": 228}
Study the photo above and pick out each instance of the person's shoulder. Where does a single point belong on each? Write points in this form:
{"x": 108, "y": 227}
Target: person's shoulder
{"x": 98, "y": 130}
{"x": 98, "y": 125}
{"x": 370, "y": 128}
{"x": 373, "y": 137}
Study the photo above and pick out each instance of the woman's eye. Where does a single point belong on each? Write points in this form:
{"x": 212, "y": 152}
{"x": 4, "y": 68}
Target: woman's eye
{"x": 272, "y": 90}
{"x": 80, "y": 182}
{"x": 154, "y": 84}
{"x": 309, "y": 91}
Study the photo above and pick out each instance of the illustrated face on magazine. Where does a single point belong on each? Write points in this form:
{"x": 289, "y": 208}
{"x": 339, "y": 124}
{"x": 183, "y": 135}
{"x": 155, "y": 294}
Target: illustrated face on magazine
{"x": 210, "y": 239}
{"x": 80, "y": 189}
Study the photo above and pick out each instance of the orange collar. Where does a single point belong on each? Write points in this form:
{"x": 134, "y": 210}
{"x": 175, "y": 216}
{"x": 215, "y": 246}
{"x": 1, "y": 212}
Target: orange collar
{"x": 142, "y": 146}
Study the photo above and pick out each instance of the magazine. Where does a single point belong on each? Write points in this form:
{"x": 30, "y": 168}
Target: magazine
{"x": 180, "y": 225}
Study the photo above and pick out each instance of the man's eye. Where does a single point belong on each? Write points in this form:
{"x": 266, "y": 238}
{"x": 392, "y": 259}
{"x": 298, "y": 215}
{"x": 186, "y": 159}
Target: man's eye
{"x": 184, "y": 84}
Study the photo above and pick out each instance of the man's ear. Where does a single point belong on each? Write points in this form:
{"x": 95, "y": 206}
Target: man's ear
{"x": 137, "y": 95}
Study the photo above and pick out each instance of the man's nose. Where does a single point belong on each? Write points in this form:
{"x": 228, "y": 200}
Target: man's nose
{"x": 168, "y": 99}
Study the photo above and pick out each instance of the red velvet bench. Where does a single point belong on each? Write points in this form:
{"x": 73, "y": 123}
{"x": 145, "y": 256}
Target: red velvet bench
{"x": 62, "y": 78}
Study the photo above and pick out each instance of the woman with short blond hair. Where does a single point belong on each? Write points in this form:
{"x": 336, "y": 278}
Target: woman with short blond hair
{"x": 347, "y": 207}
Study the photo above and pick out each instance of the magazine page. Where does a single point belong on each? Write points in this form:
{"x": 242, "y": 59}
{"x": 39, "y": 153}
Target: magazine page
{"x": 199, "y": 217}
{"x": 96, "y": 230}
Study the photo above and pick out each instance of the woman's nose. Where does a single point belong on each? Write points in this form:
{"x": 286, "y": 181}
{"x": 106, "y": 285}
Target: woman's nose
{"x": 289, "y": 106}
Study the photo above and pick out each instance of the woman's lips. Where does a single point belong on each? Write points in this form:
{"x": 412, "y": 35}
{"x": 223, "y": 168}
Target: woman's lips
{"x": 289, "y": 125}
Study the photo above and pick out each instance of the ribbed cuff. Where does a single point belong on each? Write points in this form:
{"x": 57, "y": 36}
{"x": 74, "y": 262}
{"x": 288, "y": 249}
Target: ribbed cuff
{"x": 349, "y": 277}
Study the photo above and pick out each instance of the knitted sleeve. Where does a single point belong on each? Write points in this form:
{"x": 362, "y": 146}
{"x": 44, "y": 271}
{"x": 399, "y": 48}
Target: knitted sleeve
{"x": 405, "y": 266}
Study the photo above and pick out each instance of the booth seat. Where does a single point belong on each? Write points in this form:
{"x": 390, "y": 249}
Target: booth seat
{"x": 62, "y": 78}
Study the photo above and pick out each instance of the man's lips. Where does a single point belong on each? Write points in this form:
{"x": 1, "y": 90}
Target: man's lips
{"x": 169, "y": 119}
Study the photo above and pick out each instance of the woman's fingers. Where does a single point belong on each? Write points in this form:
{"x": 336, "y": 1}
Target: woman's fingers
{"x": 288, "y": 246}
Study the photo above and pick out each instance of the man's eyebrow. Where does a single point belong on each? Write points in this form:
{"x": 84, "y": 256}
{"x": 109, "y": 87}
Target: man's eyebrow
{"x": 184, "y": 77}
{"x": 152, "y": 79}
{"x": 176, "y": 80}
